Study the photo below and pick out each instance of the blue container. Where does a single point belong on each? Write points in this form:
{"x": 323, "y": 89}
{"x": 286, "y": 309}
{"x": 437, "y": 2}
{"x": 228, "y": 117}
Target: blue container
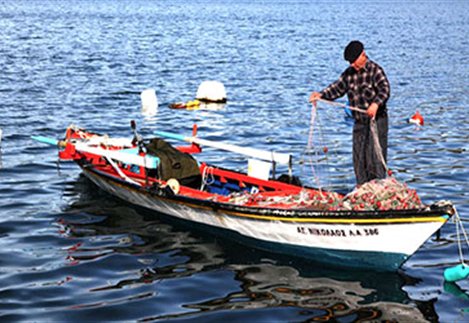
{"x": 456, "y": 273}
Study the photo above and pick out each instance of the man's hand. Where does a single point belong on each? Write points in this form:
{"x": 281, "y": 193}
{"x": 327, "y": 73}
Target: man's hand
{"x": 314, "y": 97}
{"x": 372, "y": 109}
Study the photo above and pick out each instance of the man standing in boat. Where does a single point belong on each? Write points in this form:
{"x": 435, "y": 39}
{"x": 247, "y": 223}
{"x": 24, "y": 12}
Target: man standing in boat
{"x": 367, "y": 88}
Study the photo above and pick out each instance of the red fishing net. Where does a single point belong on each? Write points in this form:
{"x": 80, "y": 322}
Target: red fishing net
{"x": 379, "y": 194}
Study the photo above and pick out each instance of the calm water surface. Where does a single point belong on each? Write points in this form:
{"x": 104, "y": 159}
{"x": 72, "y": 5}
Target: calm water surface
{"x": 69, "y": 252}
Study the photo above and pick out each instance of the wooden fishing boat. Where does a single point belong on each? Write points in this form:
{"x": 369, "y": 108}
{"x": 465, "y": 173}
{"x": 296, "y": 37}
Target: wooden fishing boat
{"x": 273, "y": 214}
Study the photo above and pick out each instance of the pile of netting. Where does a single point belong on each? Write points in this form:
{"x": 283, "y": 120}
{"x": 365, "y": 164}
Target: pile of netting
{"x": 378, "y": 194}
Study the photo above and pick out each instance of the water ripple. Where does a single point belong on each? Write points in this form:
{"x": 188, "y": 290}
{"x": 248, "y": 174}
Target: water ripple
{"x": 70, "y": 252}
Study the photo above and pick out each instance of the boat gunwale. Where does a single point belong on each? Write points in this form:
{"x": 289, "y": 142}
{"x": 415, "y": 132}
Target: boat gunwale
{"x": 431, "y": 213}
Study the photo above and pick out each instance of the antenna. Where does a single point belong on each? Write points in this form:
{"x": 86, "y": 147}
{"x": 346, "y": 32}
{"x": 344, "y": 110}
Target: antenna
{"x": 137, "y": 140}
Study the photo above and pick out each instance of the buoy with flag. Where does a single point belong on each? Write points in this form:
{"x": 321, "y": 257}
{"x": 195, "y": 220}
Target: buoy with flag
{"x": 417, "y": 119}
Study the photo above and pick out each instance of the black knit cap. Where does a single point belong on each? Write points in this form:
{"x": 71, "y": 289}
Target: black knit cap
{"x": 352, "y": 51}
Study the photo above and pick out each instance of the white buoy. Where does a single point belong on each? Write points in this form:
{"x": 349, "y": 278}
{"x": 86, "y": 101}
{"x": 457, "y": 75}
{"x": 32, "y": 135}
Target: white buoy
{"x": 211, "y": 91}
{"x": 149, "y": 102}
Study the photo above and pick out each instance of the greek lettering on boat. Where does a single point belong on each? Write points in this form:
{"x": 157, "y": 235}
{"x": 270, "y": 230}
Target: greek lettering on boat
{"x": 338, "y": 232}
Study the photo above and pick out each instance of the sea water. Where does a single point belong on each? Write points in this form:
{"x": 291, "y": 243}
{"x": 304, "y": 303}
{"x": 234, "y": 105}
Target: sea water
{"x": 69, "y": 252}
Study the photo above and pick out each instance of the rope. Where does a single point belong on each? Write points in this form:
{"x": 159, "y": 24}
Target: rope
{"x": 458, "y": 222}
{"x": 207, "y": 177}
{"x": 311, "y": 128}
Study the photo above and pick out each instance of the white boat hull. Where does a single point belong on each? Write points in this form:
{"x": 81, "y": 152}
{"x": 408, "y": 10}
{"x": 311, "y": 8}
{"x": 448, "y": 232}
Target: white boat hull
{"x": 388, "y": 243}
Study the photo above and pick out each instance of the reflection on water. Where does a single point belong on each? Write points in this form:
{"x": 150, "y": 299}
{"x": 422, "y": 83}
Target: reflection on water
{"x": 267, "y": 285}
{"x": 85, "y": 257}
{"x": 169, "y": 254}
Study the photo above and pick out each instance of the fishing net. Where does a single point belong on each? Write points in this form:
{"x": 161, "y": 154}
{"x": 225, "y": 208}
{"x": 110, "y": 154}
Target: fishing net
{"x": 379, "y": 194}
{"x": 376, "y": 195}
{"x": 314, "y": 156}
{"x": 378, "y": 150}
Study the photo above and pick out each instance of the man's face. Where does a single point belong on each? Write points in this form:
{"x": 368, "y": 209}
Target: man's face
{"x": 360, "y": 61}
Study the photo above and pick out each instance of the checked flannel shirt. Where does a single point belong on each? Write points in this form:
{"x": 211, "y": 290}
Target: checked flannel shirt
{"x": 363, "y": 87}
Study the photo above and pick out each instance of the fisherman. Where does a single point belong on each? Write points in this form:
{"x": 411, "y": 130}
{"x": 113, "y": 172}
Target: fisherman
{"x": 367, "y": 88}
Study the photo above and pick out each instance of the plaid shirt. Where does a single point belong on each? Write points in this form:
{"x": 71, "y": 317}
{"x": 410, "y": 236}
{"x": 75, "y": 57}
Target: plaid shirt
{"x": 362, "y": 88}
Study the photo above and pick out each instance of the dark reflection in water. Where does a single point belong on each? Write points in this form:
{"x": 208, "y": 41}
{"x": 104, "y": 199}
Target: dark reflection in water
{"x": 315, "y": 298}
{"x": 252, "y": 285}
{"x": 70, "y": 253}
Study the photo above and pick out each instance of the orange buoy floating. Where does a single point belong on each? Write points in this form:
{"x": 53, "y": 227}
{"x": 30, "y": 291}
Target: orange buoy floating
{"x": 417, "y": 119}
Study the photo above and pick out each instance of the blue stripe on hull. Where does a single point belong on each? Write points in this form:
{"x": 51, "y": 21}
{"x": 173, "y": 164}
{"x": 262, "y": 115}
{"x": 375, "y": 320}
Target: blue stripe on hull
{"x": 339, "y": 258}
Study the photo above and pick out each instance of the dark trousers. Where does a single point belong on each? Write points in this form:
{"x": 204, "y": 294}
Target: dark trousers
{"x": 366, "y": 164}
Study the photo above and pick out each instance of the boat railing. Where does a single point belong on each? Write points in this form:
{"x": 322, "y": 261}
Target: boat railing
{"x": 270, "y": 156}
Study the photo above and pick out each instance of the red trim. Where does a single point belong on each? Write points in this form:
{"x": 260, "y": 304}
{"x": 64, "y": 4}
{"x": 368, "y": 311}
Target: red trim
{"x": 242, "y": 179}
{"x": 192, "y": 149}
{"x": 267, "y": 188}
